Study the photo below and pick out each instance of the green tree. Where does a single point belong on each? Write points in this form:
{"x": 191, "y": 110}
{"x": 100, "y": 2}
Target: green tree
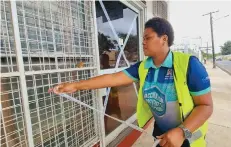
{"x": 131, "y": 47}
{"x": 105, "y": 43}
{"x": 226, "y": 49}
{"x": 132, "y": 43}
{"x": 209, "y": 56}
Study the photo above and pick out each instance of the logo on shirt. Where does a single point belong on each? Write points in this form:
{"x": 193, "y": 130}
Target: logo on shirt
{"x": 205, "y": 80}
{"x": 169, "y": 74}
{"x": 156, "y": 100}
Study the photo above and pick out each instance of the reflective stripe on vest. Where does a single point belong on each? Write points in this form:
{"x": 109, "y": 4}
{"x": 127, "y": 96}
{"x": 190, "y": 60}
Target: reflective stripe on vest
{"x": 180, "y": 66}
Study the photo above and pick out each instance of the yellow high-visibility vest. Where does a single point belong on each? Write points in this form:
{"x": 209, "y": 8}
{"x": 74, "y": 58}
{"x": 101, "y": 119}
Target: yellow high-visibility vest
{"x": 144, "y": 113}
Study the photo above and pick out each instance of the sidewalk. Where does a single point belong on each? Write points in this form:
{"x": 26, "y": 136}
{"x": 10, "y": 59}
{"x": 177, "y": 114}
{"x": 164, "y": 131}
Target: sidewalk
{"x": 219, "y": 133}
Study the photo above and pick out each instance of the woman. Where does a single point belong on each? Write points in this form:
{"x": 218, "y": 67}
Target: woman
{"x": 174, "y": 89}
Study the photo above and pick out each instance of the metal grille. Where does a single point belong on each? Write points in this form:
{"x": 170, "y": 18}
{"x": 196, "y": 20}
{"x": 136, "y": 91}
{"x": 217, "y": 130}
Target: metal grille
{"x": 160, "y": 9}
{"x": 55, "y": 35}
{"x": 8, "y": 60}
{"x": 57, "y": 43}
{"x": 12, "y": 117}
{"x": 58, "y": 119}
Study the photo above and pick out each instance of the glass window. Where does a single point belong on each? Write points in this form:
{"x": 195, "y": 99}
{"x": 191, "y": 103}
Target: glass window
{"x": 124, "y": 24}
{"x": 121, "y": 104}
{"x": 122, "y": 19}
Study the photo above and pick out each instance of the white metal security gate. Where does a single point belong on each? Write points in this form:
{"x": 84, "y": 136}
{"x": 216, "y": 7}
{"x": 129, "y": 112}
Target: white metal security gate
{"x": 44, "y": 43}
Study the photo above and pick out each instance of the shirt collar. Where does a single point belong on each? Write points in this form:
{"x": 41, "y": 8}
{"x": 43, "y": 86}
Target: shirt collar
{"x": 167, "y": 62}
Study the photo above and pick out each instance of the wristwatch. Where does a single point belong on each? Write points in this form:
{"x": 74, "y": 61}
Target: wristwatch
{"x": 187, "y": 133}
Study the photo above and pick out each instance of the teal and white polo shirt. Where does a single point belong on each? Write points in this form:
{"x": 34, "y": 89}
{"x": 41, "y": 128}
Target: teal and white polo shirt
{"x": 159, "y": 88}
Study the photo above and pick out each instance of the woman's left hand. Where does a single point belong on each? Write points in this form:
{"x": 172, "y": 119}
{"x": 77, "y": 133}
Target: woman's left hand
{"x": 172, "y": 138}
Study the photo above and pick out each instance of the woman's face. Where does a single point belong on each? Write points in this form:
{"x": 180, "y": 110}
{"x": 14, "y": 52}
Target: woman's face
{"x": 152, "y": 43}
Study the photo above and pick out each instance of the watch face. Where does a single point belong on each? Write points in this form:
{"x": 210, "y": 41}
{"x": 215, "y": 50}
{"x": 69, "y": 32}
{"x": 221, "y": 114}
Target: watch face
{"x": 188, "y": 134}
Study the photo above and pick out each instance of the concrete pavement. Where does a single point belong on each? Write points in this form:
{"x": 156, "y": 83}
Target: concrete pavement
{"x": 219, "y": 133}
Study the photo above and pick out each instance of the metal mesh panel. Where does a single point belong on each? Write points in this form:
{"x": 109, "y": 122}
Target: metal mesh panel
{"x": 12, "y": 122}
{"x": 8, "y": 60}
{"x": 55, "y": 32}
{"x": 56, "y": 120}
{"x": 160, "y": 9}
{"x": 57, "y": 41}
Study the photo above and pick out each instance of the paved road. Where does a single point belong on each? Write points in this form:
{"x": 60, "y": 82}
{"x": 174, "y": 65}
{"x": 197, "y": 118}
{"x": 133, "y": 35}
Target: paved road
{"x": 225, "y": 65}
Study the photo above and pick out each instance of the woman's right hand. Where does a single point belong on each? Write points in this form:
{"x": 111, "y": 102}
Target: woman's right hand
{"x": 107, "y": 80}
{"x": 64, "y": 88}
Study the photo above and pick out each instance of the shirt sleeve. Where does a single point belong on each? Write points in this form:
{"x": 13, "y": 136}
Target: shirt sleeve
{"x": 133, "y": 71}
{"x": 197, "y": 79}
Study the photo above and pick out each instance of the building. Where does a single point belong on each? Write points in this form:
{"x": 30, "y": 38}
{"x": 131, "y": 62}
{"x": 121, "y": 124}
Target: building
{"x": 190, "y": 46}
{"x": 44, "y": 43}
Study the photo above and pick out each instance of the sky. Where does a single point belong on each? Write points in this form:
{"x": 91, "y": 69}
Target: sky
{"x": 121, "y": 25}
{"x": 188, "y": 22}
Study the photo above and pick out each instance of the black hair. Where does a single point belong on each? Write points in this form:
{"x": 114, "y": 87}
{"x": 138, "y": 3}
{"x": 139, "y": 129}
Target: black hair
{"x": 162, "y": 27}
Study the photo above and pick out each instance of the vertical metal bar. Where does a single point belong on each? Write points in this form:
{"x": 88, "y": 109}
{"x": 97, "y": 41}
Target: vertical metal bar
{"x": 16, "y": 116}
{"x": 10, "y": 68}
{"x": 36, "y": 27}
{"x": 26, "y": 38}
{"x": 4, "y": 126}
{"x": 62, "y": 107}
{"x": 67, "y": 23}
{"x": 58, "y": 74}
{"x": 64, "y": 27}
{"x": 72, "y": 38}
{"x": 49, "y": 78}
{"x": 38, "y": 3}
{"x": 41, "y": 41}
{"x": 59, "y": 80}
{"x": 37, "y": 108}
{"x": 81, "y": 116}
{"x": 5, "y": 46}
{"x": 71, "y": 73}
{"x": 140, "y": 36}
{"x": 53, "y": 36}
{"x": 21, "y": 109}
{"x": 63, "y": 40}
{"x": 79, "y": 25}
{"x": 22, "y": 77}
{"x": 81, "y": 113}
{"x": 97, "y": 59}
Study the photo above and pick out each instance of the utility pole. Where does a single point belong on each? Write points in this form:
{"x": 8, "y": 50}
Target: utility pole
{"x": 212, "y": 38}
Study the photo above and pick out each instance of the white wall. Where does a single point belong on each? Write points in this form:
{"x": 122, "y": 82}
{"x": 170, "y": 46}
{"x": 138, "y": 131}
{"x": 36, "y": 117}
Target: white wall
{"x": 149, "y": 5}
